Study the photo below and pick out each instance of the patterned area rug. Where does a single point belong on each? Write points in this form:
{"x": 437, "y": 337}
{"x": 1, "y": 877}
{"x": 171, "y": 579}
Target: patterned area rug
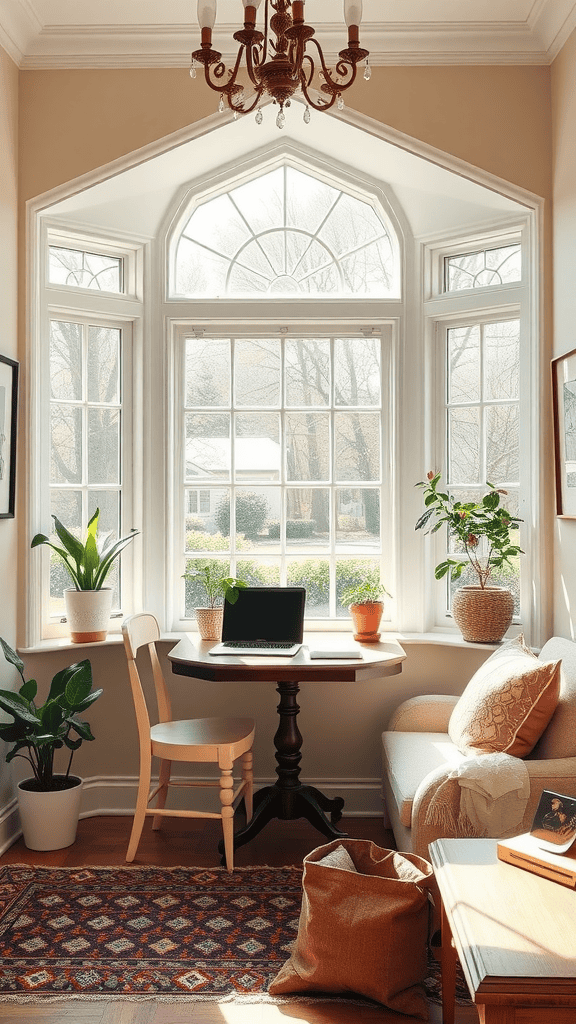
{"x": 145, "y": 932}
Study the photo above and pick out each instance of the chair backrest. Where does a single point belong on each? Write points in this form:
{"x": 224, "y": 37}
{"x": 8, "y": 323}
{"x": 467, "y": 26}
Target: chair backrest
{"x": 142, "y": 630}
{"x": 559, "y": 737}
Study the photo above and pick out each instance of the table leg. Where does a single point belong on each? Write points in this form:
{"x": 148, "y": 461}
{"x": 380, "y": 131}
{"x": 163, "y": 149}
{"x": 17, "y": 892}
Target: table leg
{"x": 448, "y": 969}
{"x": 288, "y": 798}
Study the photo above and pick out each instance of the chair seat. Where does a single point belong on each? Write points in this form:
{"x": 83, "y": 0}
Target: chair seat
{"x": 206, "y": 733}
{"x": 409, "y": 757}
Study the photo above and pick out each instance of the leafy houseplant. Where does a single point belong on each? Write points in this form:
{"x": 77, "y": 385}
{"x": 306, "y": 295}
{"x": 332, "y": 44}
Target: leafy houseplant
{"x": 366, "y": 607}
{"x": 483, "y": 529}
{"x": 88, "y": 565}
{"x": 36, "y": 733}
{"x": 218, "y": 588}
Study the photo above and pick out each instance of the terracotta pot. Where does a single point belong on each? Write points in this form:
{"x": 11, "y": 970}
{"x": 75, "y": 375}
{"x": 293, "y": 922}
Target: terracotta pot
{"x": 209, "y": 622}
{"x": 88, "y": 614}
{"x": 483, "y": 614}
{"x": 49, "y": 819}
{"x": 366, "y": 619}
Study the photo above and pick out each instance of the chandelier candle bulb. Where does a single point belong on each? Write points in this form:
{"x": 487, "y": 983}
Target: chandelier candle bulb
{"x": 206, "y": 13}
{"x": 352, "y": 12}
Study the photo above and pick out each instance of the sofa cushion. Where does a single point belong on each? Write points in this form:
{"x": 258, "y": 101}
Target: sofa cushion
{"x": 507, "y": 704}
{"x": 559, "y": 738}
{"x": 409, "y": 757}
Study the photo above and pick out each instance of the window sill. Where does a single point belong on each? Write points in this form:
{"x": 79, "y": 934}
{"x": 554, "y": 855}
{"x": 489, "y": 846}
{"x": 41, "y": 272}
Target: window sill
{"x": 443, "y": 639}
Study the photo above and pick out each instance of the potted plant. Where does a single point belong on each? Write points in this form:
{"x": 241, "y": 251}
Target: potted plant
{"x": 483, "y": 612}
{"x": 88, "y": 603}
{"x": 366, "y": 607}
{"x": 218, "y": 588}
{"x": 49, "y": 802}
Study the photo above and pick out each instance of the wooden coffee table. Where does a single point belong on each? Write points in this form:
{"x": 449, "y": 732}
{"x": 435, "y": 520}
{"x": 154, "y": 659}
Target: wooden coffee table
{"x": 515, "y": 934}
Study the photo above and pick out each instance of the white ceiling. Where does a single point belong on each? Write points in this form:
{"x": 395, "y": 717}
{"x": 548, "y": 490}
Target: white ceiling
{"x": 161, "y": 33}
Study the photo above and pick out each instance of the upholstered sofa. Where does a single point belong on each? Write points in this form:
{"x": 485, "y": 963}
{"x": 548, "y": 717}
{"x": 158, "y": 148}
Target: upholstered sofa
{"x": 419, "y": 760}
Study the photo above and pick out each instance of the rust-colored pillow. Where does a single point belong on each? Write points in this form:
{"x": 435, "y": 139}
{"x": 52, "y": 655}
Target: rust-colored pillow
{"x": 362, "y": 931}
{"x": 507, "y": 703}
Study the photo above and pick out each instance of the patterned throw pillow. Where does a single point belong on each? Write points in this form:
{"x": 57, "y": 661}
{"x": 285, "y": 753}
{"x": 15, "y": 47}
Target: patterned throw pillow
{"x": 507, "y": 703}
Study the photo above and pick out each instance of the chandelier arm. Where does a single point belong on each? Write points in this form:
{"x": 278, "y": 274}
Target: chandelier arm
{"x": 307, "y": 59}
{"x": 252, "y": 64}
{"x": 218, "y": 70}
{"x": 342, "y": 68}
{"x": 314, "y": 103}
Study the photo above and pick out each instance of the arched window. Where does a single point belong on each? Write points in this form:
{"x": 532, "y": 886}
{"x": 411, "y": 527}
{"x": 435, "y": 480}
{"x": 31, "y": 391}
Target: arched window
{"x": 285, "y": 233}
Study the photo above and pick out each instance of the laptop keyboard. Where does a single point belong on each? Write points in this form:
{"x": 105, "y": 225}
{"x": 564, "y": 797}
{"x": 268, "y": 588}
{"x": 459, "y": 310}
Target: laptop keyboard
{"x": 269, "y": 645}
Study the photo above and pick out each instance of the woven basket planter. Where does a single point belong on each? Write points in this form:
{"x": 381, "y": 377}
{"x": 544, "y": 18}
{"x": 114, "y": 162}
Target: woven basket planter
{"x": 483, "y": 615}
{"x": 210, "y": 622}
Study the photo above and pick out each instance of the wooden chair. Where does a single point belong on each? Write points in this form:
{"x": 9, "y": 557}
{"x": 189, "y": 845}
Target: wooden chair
{"x": 215, "y": 740}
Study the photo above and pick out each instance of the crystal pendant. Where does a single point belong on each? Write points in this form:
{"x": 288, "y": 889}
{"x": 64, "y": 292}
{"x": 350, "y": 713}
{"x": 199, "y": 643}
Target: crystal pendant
{"x": 192, "y": 71}
{"x": 307, "y": 115}
{"x": 221, "y": 105}
{"x": 367, "y": 71}
{"x": 281, "y": 119}
{"x": 340, "y": 103}
{"x": 235, "y": 115}
{"x": 259, "y": 116}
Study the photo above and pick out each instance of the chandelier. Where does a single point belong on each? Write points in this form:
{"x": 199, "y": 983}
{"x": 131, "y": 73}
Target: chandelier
{"x": 277, "y": 60}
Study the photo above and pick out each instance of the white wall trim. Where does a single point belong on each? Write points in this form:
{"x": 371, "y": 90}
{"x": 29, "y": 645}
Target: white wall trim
{"x": 116, "y": 795}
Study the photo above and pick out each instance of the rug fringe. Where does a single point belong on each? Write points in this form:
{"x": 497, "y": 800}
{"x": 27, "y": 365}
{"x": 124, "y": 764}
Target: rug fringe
{"x": 152, "y": 867}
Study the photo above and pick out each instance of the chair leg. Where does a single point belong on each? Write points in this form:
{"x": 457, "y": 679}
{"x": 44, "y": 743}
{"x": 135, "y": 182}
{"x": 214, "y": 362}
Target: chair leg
{"x": 164, "y": 781}
{"x": 227, "y": 812}
{"x": 141, "y": 805}
{"x": 248, "y": 777}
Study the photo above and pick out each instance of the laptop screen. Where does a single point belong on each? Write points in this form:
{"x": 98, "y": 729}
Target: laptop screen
{"x": 266, "y": 613}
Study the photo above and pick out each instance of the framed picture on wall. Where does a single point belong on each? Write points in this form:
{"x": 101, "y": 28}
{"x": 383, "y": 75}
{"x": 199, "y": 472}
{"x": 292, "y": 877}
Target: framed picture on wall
{"x": 564, "y": 406}
{"x": 8, "y": 420}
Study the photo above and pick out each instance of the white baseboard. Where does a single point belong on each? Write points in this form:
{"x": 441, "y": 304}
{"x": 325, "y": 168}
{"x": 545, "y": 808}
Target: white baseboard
{"x": 107, "y": 794}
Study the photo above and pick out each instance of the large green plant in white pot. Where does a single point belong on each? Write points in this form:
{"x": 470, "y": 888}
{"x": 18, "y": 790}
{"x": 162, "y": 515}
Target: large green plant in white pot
{"x": 88, "y": 604}
{"x": 49, "y": 801}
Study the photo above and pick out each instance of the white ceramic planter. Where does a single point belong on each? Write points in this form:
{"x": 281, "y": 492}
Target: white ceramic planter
{"x": 49, "y": 820}
{"x": 88, "y": 614}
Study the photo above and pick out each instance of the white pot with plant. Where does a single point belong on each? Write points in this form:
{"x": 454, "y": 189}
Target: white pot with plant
{"x": 483, "y": 612}
{"x": 49, "y": 802}
{"x": 218, "y": 589}
{"x": 88, "y": 604}
{"x": 365, "y": 604}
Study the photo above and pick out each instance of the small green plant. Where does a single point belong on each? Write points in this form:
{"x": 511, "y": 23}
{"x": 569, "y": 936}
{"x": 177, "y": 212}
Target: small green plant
{"x": 218, "y": 588}
{"x": 483, "y": 528}
{"x": 88, "y": 564}
{"x": 366, "y": 592}
{"x": 40, "y": 731}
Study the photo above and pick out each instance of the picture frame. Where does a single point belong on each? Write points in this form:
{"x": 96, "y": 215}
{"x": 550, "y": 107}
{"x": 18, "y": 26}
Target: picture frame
{"x": 564, "y": 409}
{"x": 554, "y": 825}
{"x": 9, "y": 369}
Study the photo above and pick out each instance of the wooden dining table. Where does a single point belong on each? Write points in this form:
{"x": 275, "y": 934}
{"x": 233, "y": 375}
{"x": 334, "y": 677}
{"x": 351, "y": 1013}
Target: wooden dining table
{"x": 288, "y": 798}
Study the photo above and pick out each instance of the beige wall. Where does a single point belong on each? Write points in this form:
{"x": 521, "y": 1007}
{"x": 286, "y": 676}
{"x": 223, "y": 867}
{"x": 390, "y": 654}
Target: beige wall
{"x": 8, "y": 343}
{"x": 74, "y": 121}
{"x": 497, "y": 118}
{"x": 564, "y": 185}
{"x": 8, "y": 306}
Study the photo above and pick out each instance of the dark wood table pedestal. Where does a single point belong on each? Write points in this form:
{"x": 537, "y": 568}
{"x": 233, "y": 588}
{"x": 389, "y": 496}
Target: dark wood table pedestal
{"x": 288, "y": 798}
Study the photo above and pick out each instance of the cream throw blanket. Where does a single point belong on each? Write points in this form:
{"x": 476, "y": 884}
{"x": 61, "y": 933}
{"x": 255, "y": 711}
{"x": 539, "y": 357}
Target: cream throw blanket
{"x": 494, "y": 791}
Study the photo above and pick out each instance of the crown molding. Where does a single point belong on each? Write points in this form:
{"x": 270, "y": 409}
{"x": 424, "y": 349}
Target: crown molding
{"x": 536, "y": 40}
{"x": 553, "y": 23}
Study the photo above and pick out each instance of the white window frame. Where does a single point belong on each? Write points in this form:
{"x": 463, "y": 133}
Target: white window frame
{"x": 180, "y": 330}
{"x": 89, "y": 307}
{"x": 444, "y": 310}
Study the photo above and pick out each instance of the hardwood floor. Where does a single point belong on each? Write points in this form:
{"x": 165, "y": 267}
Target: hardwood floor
{"x": 102, "y": 841}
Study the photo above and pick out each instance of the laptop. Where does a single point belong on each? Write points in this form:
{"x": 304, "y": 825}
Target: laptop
{"x": 263, "y": 621}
